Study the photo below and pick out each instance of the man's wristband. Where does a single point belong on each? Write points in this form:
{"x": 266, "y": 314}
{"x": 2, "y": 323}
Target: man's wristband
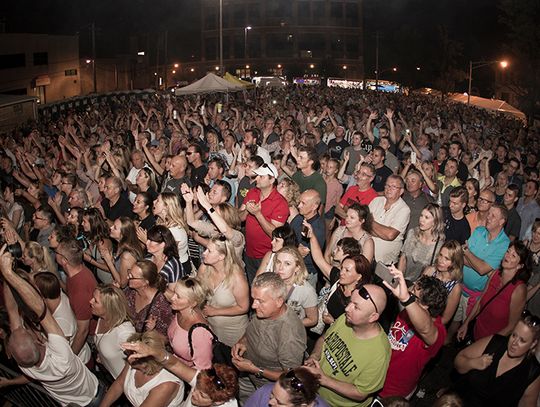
{"x": 409, "y": 301}
{"x": 260, "y": 374}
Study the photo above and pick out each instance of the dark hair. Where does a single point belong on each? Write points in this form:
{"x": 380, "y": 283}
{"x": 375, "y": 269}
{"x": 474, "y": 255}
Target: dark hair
{"x": 312, "y": 155}
{"x": 47, "y": 213}
{"x": 286, "y": 233}
{"x": 364, "y": 214}
{"x": 433, "y": 294}
{"x": 147, "y": 200}
{"x": 380, "y": 149}
{"x": 257, "y": 160}
{"x": 525, "y": 259}
{"x": 80, "y": 213}
{"x": 227, "y": 189}
{"x": 71, "y": 251}
{"x": 197, "y": 148}
{"x": 152, "y": 275}
{"x": 301, "y": 385}
{"x": 48, "y": 285}
{"x": 457, "y": 143}
{"x": 256, "y": 134}
{"x": 476, "y": 186}
{"x": 162, "y": 234}
{"x": 534, "y": 182}
{"x": 350, "y": 246}
{"x": 98, "y": 227}
{"x": 363, "y": 267}
{"x": 64, "y": 233}
{"x": 461, "y": 193}
{"x": 71, "y": 179}
{"x": 208, "y": 382}
{"x": 219, "y": 162}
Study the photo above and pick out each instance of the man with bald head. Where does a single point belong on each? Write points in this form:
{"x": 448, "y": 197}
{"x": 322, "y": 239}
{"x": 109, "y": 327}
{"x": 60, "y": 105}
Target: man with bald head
{"x": 308, "y": 211}
{"x": 49, "y": 360}
{"x": 177, "y": 175}
{"x": 351, "y": 359}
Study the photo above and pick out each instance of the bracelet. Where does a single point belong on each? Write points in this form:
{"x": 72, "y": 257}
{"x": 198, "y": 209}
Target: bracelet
{"x": 409, "y": 301}
{"x": 165, "y": 359}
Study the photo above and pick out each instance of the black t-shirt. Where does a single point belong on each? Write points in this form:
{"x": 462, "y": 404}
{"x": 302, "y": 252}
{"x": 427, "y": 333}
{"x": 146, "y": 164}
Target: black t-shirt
{"x": 335, "y": 148}
{"x": 148, "y": 222}
{"x": 122, "y": 207}
{"x": 198, "y": 174}
{"x": 454, "y": 229}
{"x": 244, "y": 186}
{"x": 381, "y": 174}
{"x": 337, "y": 301}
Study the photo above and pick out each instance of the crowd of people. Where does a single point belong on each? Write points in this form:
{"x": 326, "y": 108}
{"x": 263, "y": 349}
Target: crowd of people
{"x": 302, "y": 246}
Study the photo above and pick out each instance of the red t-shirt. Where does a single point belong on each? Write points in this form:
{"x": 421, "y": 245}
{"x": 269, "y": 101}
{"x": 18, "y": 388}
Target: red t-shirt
{"x": 274, "y": 207}
{"x": 354, "y": 195}
{"x": 409, "y": 356}
{"x": 80, "y": 290}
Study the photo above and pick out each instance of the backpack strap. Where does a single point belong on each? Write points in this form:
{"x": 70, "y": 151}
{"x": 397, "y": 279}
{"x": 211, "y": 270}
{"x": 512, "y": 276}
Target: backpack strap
{"x": 190, "y": 333}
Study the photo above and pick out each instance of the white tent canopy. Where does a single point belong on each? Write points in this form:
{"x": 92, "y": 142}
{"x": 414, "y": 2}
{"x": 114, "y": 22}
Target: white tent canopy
{"x": 210, "y": 83}
{"x": 490, "y": 104}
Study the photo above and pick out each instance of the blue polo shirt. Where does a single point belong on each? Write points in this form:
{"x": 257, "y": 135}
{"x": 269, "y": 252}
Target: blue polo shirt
{"x": 492, "y": 252}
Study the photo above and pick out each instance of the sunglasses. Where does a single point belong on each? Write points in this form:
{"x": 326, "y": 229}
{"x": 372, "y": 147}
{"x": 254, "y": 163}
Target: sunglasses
{"x": 363, "y": 292}
{"x": 296, "y": 383}
{"x": 188, "y": 281}
{"x": 528, "y": 318}
{"x": 215, "y": 378}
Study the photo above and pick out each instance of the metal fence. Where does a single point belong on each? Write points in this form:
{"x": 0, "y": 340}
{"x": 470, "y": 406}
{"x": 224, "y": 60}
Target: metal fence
{"x": 28, "y": 395}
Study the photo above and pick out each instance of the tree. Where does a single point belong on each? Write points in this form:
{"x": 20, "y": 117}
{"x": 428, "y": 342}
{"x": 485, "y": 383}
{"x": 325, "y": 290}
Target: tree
{"x": 521, "y": 18}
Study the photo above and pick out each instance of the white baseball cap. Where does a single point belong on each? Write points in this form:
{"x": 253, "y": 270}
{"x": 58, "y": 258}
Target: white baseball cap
{"x": 267, "y": 169}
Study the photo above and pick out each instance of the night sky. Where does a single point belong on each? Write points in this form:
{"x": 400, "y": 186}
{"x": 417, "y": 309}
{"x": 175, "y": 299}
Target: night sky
{"x": 409, "y": 28}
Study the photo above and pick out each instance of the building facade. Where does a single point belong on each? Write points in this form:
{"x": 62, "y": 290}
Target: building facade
{"x": 284, "y": 37}
{"x": 45, "y": 66}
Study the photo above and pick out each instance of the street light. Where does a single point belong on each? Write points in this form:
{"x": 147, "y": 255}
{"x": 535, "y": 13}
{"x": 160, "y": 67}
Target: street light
{"x": 479, "y": 64}
{"x": 246, "y": 29}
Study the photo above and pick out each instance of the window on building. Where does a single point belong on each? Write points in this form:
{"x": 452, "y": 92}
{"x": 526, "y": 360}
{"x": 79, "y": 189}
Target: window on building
{"x": 337, "y": 46}
{"x": 352, "y": 44}
{"x": 70, "y": 72}
{"x": 351, "y": 14}
{"x": 211, "y": 18}
{"x": 254, "y": 14}
{"x": 318, "y": 13}
{"x": 211, "y": 48}
{"x": 12, "y": 61}
{"x": 239, "y": 15}
{"x": 312, "y": 44}
{"x": 278, "y": 45}
{"x": 304, "y": 13}
{"x": 41, "y": 58}
{"x": 336, "y": 13}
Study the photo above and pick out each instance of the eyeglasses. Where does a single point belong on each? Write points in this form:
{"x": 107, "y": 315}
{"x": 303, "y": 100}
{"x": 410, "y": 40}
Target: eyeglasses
{"x": 38, "y": 218}
{"x": 190, "y": 152}
{"x": 296, "y": 383}
{"x": 363, "y": 292}
{"x": 485, "y": 200}
{"x": 392, "y": 186}
{"x": 131, "y": 277}
{"x": 215, "y": 378}
{"x": 530, "y": 319}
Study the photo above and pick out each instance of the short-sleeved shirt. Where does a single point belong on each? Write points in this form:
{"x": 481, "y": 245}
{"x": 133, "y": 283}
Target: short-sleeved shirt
{"x": 314, "y": 181}
{"x": 361, "y": 362}
{"x": 80, "y": 290}
{"x": 354, "y": 195}
{"x": 397, "y": 217}
{"x": 409, "y": 354}
{"x": 302, "y": 297}
{"x": 456, "y": 229}
{"x": 274, "y": 207}
{"x": 416, "y": 205}
{"x": 492, "y": 252}
{"x": 202, "y": 341}
{"x": 319, "y": 229}
{"x": 513, "y": 224}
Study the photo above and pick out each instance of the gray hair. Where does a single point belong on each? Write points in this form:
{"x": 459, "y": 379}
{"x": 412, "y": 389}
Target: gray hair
{"x": 273, "y": 281}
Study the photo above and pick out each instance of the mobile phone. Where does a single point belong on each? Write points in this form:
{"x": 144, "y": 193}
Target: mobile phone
{"x": 413, "y": 157}
{"x": 407, "y": 131}
{"x": 383, "y": 272}
{"x": 174, "y": 114}
{"x": 305, "y": 231}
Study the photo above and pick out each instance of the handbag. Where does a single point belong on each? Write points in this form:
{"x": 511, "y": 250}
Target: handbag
{"x": 469, "y": 336}
{"x": 221, "y": 353}
{"x": 322, "y": 302}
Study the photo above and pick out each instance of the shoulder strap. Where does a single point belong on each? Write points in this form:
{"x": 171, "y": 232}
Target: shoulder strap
{"x": 434, "y": 250}
{"x": 150, "y": 306}
{"x": 190, "y": 333}
{"x": 492, "y": 298}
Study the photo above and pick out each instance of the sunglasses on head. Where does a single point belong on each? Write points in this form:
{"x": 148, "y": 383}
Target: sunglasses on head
{"x": 188, "y": 281}
{"x": 528, "y": 318}
{"x": 215, "y": 378}
{"x": 296, "y": 383}
{"x": 363, "y": 292}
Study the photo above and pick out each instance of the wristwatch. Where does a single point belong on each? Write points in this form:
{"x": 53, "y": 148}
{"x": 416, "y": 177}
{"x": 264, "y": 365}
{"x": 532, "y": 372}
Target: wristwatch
{"x": 412, "y": 298}
{"x": 211, "y": 210}
{"x": 259, "y": 374}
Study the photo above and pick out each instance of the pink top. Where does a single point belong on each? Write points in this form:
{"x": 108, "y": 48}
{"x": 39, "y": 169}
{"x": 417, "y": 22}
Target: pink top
{"x": 201, "y": 340}
{"x": 334, "y": 190}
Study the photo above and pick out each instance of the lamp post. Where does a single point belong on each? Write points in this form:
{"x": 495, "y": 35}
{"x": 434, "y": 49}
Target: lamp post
{"x": 246, "y": 29}
{"x": 221, "y": 36}
{"x": 480, "y": 64}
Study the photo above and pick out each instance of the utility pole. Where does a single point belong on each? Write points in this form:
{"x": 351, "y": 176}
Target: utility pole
{"x": 377, "y": 61}
{"x": 166, "y": 61}
{"x": 221, "y": 37}
{"x": 94, "y": 56}
{"x": 157, "y": 63}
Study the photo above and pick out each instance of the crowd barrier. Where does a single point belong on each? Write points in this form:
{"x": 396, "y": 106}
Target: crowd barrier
{"x": 28, "y": 395}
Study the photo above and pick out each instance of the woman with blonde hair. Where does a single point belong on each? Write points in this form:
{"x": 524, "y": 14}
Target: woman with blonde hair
{"x": 291, "y": 192}
{"x": 145, "y": 381}
{"x": 128, "y": 252}
{"x": 422, "y": 243}
{"x": 114, "y": 326}
{"x": 38, "y": 258}
{"x": 449, "y": 269}
{"x": 170, "y": 214}
{"x": 224, "y": 277}
{"x": 302, "y": 298}
{"x": 189, "y": 335}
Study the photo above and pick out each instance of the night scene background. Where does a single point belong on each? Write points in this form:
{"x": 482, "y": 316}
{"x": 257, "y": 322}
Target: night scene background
{"x": 430, "y": 43}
